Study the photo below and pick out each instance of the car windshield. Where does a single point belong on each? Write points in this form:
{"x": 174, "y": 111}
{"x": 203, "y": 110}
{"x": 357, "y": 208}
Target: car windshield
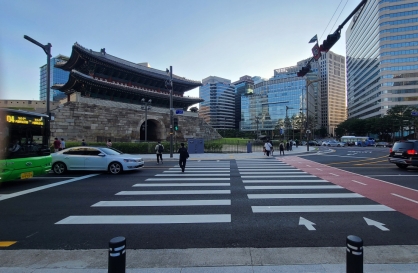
{"x": 111, "y": 151}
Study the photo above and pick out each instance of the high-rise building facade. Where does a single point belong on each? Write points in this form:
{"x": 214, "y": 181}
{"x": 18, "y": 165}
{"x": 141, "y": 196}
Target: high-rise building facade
{"x": 244, "y": 86}
{"x": 333, "y": 91}
{"x": 58, "y": 76}
{"x": 382, "y": 55}
{"x": 279, "y": 98}
{"x": 218, "y": 108}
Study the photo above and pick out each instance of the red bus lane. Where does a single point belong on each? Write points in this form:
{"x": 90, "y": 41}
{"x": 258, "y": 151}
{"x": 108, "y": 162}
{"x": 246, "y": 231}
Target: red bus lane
{"x": 399, "y": 198}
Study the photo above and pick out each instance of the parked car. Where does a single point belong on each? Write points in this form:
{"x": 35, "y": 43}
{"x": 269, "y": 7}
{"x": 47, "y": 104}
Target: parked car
{"x": 334, "y": 143}
{"x": 404, "y": 153}
{"x": 94, "y": 159}
{"x": 314, "y": 143}
{"x": 382, "y": 144}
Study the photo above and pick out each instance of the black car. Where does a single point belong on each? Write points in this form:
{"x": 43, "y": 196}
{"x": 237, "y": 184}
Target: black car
{"x": 404, "y": 153}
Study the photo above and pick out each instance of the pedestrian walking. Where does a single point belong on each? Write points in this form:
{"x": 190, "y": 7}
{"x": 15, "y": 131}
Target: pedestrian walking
{"x": 109, "y": 143}
{"x": 272, "y": 148}
{"x": 184, "y": 155}
{"x": 268, "y": 148}
{"x": 83, "y": 143}
{"x": 281, "y": 148}
{"x": 159, "y": 149}
{"x": 291, "y": 144}
{"x": 287, "y": 146}
{"x": 57, "y": 144}
{"x": 62, "y": 144}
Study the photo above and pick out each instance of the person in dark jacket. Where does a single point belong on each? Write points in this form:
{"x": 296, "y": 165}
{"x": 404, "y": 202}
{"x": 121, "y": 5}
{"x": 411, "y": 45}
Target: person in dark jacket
{"x": 184, "y": 155}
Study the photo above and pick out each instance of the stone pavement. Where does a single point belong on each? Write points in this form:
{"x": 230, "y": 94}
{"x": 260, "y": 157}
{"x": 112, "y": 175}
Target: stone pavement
{"x": 399, "y": 258}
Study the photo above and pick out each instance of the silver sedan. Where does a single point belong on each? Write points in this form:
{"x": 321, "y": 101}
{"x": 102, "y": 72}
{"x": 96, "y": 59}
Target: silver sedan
{"x": 94, "y": 159}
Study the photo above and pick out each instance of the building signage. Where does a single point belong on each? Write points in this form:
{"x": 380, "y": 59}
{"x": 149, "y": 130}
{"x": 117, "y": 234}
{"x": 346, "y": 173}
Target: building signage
{"x": 25, "y": 120}
{"x": 414, "y": 113}
{"x": 179, "y": 111}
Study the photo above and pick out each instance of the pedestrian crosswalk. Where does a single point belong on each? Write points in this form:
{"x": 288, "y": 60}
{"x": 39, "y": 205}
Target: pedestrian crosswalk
{"x": 203, "y": 194}
{"x": 204, "y": 184}
{"x": 264, "y": 180}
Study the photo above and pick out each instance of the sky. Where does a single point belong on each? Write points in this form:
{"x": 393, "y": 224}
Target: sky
{"x": 198, "y": 38}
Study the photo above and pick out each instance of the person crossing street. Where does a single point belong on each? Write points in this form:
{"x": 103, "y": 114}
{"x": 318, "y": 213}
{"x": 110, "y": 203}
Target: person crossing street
{"x": 159, "y": 149}
{"x": 184, "y": 155}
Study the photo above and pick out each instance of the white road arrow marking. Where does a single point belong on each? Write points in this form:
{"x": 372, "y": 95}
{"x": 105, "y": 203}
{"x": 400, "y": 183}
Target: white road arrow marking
{"x": 308, "y": 224}
{"x": 379, "y": 225}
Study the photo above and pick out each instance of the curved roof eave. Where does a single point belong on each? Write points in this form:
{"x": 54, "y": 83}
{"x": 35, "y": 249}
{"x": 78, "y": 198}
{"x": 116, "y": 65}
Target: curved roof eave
{"x": 76, "y": 76}
{"x": 112, "y": 60}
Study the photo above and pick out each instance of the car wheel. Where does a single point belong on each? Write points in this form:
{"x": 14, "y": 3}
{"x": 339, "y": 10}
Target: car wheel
{"x": 59, "y": 168}
{"x": 329, "y": 145}
{"x": 402, "y": 166}
{"x": 338, "y": 145}
{"x": 115, "y": 168}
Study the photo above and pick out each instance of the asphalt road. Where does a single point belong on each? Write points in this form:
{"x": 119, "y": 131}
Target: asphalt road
{"x": 214, "y": 204}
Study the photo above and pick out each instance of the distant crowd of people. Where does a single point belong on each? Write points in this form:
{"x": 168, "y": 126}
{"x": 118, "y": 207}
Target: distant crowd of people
{"x": 268, "y": 147}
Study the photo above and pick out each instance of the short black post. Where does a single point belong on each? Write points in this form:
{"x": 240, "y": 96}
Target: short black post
{"x": 354, "y": 254}
{"x": 117, "y": 255}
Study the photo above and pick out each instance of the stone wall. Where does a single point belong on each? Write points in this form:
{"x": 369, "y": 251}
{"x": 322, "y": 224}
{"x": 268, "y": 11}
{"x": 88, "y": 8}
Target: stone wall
{"x": 95, "y": 119}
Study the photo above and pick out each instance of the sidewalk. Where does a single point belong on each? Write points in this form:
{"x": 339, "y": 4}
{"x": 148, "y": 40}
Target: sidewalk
{"x": 386, "y": 259}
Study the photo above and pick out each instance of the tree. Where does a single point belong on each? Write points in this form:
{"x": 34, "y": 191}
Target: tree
{"x": 194, "y": 109}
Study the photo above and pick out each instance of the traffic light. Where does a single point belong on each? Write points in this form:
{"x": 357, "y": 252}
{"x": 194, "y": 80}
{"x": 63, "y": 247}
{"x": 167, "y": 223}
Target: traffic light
{"x": 304, "y": 70}
{"x": 176, "y": 124}
{"x": 330, "y": 41}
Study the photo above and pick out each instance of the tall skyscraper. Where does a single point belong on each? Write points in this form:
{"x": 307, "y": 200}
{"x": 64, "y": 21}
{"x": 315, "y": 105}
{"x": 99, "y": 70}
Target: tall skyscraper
{"x": 57, "y": 76}
{"x": 218, "y": 109}
{"x": 333, "y": 91}
{"x": 244, "y": 86}
{"x": 382, "y": 55}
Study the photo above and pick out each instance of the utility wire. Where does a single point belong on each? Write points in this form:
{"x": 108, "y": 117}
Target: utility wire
{"x": 339, "y": 15}
{"x": 320, "y": 38}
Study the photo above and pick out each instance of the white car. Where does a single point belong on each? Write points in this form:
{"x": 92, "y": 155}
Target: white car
{"x": 94, "y": 159}
{"x": 334, "y": 143}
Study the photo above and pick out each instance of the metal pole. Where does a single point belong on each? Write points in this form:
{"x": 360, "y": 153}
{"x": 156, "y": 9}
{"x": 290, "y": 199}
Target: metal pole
{"x": 307, "y": 114}
{"x": 117, "y": 255}
{"x": 171, "y": 112}
{"x": 354, "y": 254}
{"x": 146, "y": 122}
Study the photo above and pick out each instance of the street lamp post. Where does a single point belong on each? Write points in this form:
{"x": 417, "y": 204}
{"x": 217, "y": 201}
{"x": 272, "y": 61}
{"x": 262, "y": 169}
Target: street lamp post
{"x": 287, "y": 123}
{"x": 257, "y": 120}
{"x": 308, "y": 82}
{"x": 146, "y": 107}
{"x": 170, "y": 84}
{"x": 47, "y": 50}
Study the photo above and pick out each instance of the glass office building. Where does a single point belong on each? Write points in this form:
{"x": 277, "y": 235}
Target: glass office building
{"x": 218, "y": 109}
{"x": 58, "y": 76}
{"x": 282, "y": 95}
{"x": 382, "y": 55}
{"x": 244, "y": 86}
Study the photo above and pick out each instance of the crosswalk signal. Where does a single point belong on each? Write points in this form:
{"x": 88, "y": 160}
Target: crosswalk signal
{"x": 330, "y": 41}
{"x": 176, "y": 124}
{"x": 304, "y": 71}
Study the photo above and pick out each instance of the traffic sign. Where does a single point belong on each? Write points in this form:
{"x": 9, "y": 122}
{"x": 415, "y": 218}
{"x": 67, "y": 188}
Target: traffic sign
{"x": 179, "y": 111}
{"x": 414, "y": 113}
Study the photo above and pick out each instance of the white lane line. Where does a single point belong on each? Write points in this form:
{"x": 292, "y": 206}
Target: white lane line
{"x": 406, "y": 198}
{"x": 325, "y": 208}
{"x": 193, "y": 171}
{"x": 285, "y": 181}
{"x": 334, "y": 174}
{"x": 273, "y": 168}
{"x": 305, "y": 195}
{"x": 162, "y": 203}
{"x": 319, "y": 169}
{"x": 186, "y": 179}
{"x": 308, "y": 166}
{"x": 145, "y": 219}
{"x": 183, "y": 185}
{"x": 275, "y": 176}
{"x": 276, "y": 172}
{"x": 11, "y": 195}
{"x": 291, "y": 187}
{"x": 174, "y": 192}
{"x": 394, "y": 175}
{"x": 359, "y": 182}
{"x": 197, "y": 174}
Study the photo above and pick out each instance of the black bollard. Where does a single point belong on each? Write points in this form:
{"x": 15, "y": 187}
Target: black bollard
{"x": 354, "y": 254}
{"x": 117, "y": 255}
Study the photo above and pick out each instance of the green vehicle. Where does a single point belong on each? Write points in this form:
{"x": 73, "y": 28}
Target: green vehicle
{"x": 24, "y": 149}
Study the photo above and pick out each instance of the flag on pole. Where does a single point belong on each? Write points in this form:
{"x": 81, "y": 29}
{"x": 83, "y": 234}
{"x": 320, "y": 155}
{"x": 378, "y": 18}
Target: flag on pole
{"x": 314, "y": 39}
